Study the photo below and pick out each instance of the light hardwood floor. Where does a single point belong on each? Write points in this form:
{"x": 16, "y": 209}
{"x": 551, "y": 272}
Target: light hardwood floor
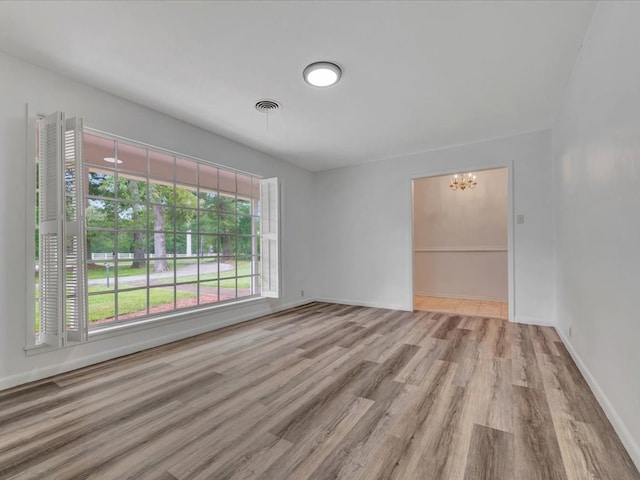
{"x": 482, "y": 308}
{"x": 322, "y": 391}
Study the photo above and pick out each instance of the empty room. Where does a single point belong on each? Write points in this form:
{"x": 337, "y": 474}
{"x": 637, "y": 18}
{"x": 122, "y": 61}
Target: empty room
{"x": 290, "y": 240}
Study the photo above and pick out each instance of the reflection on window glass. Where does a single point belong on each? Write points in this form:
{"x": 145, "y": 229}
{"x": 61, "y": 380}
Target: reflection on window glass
{"x": 165, "y": 233}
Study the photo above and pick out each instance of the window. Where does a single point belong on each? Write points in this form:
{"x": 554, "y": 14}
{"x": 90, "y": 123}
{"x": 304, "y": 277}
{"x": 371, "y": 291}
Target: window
{"x": 132, "y": 231}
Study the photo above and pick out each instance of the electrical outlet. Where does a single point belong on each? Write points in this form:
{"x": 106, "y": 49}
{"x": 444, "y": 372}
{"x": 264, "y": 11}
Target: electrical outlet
{"x": 302, "y": 293}
{"x": 569, "y": 332}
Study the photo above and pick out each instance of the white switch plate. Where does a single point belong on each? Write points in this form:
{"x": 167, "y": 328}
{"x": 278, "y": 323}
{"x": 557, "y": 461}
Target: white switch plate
{"x": 520, "y": 219}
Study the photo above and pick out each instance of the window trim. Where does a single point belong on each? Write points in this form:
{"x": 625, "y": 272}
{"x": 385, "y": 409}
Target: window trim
{"x": 31, "y": 149}
{"x": 149, "y": 231}
{"x": 139, "y": 323}
{"x": 146, "y": 323}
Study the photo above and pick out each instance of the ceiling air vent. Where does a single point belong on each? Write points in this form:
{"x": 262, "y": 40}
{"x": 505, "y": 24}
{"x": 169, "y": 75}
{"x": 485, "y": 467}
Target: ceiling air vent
{"x": 267, "y": 106}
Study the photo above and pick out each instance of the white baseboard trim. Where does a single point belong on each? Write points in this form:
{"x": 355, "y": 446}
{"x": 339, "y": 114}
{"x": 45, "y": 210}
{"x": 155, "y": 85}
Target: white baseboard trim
{"x": 342, "y": 301}
{"x": 627, "y": 439}
{"x": 55, "y": 369}
{"x": 534, "y": 321}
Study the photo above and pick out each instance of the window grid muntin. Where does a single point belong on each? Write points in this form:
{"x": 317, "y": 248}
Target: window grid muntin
{"x": 233, "y": 235}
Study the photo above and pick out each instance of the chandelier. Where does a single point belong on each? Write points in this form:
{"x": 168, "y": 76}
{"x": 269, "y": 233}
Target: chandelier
{"x": 463, "y": 181}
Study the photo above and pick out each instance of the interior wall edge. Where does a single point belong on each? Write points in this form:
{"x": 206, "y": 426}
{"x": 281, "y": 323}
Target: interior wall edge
{"x": 625, "y": 436}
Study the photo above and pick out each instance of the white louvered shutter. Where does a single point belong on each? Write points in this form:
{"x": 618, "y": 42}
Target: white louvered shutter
{"x": 51, "y": 245}
{"x": 62, "y": 275}
{"x": 269, "y": 238}
{"x": 75, "y": 325}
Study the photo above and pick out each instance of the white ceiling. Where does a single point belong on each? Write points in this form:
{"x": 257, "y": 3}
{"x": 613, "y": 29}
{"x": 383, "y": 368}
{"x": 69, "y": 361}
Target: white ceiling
{"x": 416, "y": 75}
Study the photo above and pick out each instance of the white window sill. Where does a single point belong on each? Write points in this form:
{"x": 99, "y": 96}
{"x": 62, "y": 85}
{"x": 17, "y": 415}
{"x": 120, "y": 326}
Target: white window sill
{"x": 147, "y": 323}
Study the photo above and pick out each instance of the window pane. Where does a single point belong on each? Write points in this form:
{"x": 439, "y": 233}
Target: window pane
{"x": 228, "y": 267}
{"x": 187, "y": 244}
{"x": 132, "y": 159}
{"x": 161, "y": 299}
{"x": 169, "y": 244}
{"x": 162, "y": 271}
{"x": 226, "y": 204}
{"x": 100, "y": 245}
{"x": 132, "y": 304}
{"x": 161, "y": 167}
{"x": 95, "y": 149}
{"x": 244, "y": 206}
{"x": 186, "y": 171}
{"x": 244, "y": 280}
{"x": 171, "y": 233}
{"x": 227, "y": 289}
{"x": 186, "y": 219}
{"x": 102, "y": 308}
{"x": 132, "y": 188}
{"x": 245, "y": 245}
{"x": 208, "y": 221}
{"x": 132, "y": 216}
{"x": 208, "y": 269}
{"x": 244, "y": 186}
{"x": 227, "y": 247}
{"x": 208, "y": 246}
{"x": 208, "y": 292}
{"x": 227, "y": 181}
{"x": 186, "y": 270}
{"x": 162, "y": 217}
{"x": 187, "y": 295}
{"x": 227, "y": 223}
{"x": 207, "y": 200}
{"x": 132, "y": 259}
{"x": 101, "y": 183}
{"x": 186, "y": 197}
{"x": 100, "y": 214}
{"x": 245, "y": 225}
{"x": 244, "y": 291}
{"x": 208, "y": 178}
{"x": 100, "y": 276}
{"x": 161, "y": 193}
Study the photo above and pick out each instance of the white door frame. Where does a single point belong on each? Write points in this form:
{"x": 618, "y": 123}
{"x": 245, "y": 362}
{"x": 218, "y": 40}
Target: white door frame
{"x": 510, "y": 224}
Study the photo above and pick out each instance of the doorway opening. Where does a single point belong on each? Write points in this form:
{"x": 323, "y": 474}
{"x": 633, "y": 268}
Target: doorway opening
{"x": 461, "y": 240}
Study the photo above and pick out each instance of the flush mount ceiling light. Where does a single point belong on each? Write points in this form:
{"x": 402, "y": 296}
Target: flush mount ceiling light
{"x": 112, "y": 160}
{"x": 322, "y": 74}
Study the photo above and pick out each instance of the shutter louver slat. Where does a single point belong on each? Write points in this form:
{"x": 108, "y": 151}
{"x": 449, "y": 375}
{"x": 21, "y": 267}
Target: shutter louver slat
{"x": 269, "y": 238}
{"x": 76, "y": 327}
{"x": 50, "y": 268}
{"x": 63, "y": 315}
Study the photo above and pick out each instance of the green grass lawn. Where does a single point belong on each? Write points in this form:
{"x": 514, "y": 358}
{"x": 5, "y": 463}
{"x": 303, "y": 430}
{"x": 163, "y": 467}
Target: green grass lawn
{"x": 102, "y": 306}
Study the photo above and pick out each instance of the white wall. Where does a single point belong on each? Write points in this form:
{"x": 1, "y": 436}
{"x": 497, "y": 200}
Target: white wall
{"x": 460, "y": 237}
{"x": 597, "y": 196}
{"x": 363, "y": 224}
{"x": 46, "y": 93}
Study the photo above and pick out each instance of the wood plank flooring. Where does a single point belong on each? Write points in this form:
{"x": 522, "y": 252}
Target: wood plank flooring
{"x": 461, "y": 306}
{"x": 322, "y": 391}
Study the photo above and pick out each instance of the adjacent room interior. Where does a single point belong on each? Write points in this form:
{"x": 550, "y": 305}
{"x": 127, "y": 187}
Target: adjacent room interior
{"x": 234, "y": 246}
{"x": 460, "y": 243}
